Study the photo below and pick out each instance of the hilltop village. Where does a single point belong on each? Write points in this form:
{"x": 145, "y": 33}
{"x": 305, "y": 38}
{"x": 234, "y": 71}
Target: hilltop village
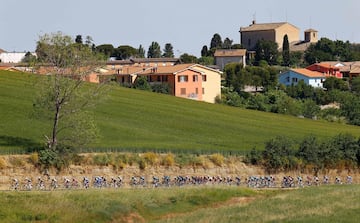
{"x": 269, "y": 56}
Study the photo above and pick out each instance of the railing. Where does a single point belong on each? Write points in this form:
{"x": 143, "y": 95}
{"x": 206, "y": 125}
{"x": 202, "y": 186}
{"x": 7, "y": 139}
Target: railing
{"x": 15, "y": 151}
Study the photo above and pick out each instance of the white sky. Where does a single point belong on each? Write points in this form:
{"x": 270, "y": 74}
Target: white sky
{"x": 186, "y": 24}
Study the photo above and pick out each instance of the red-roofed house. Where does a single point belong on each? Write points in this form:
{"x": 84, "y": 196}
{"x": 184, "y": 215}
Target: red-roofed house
{"x": 293, "y": 76}
{"x": 327, "y": 69}
{"x": 191, "y": 81}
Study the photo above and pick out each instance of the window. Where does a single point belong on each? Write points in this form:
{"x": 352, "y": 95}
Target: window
{"x": 195, "y": 78}
{"x": 165, "y": 78}
{"x": 294, "y": 80}
{"x": 203, "y": 90}
{"x": 196, "y": 91}
{"x": 249, "y": 42}
{"x": 287, "y": 79}
{"x": 183, "y": 91}
{"x": 159, "y": 78}
{"x": 183, "y": 78}
{"x": 203, "y": 77}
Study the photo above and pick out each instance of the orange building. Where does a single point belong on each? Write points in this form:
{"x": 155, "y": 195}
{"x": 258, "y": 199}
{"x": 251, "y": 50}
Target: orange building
{"x": 192, "y": 81}
{"x": 327, "y": 69}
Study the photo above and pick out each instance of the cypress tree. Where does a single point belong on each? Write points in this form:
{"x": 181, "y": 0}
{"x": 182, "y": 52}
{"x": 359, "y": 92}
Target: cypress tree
{"x": 286, "y": 51}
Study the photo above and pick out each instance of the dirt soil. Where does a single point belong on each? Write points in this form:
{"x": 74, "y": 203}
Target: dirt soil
{"x": 23, "y": 169}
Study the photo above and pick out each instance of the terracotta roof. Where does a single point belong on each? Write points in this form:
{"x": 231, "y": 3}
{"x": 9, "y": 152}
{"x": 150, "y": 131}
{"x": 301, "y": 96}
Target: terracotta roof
{"x": 263, "y": 26}
{"x": 167, "y": 69}
{"x": 2, "y": 51}
{"x": 333, "y": 63}
{"x": 154, "y": 60}
{"x": 230, "y": 52}
{"x": 130, "y": 70}
{"x": 355, "y": 70}
{"x": 326, "y": 65}
{"x": 308, "y": 73}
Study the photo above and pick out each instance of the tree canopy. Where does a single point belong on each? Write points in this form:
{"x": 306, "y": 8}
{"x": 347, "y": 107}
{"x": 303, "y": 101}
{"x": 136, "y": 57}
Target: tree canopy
{"x": 328, "y": 50}
{"x": 266, "y": 50}
{"x": 63, "y": 98}
{"x": 154, "y": 50}
{"x": 168, "y": 51}
{"x": 125, "y": 52}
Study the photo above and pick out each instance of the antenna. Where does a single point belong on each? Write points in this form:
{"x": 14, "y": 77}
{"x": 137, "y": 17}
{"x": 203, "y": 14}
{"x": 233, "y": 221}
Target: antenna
{"x": 254, "y": 19}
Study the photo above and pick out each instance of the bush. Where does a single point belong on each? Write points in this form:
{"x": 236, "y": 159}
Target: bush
{"x": 254, "y": 157}
{"x": 151, "y": 158}
{"x": 102, "y": 159}
{"x": 168, "y": 160}
{"x": 2, "y": 163}
{"x": 217, "y": 159}
{"x": 59, "y": 157}
{"x": 34, "y": 158}
{"x": 142, "y": 164}
{"x": 142, "y": 84}
{"x": 50, "y": 158}
{"x": 162, "y": 88}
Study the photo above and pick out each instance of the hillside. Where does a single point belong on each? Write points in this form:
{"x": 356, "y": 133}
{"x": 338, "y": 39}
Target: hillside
{"x": 136, "y": 120}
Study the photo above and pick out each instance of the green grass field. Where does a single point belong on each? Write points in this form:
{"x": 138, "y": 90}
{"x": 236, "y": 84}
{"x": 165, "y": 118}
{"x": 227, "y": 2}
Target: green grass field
{"x": 135, "y": 120}
{"x": 204, "y": 204}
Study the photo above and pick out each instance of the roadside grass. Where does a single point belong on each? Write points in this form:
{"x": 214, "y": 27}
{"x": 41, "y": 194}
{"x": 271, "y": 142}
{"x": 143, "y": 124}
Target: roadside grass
{"x": 137, "y": 121}
{"x": 315, "y": 204}
{"x": 110, "y": 205}
{"x": 189, "y": 204}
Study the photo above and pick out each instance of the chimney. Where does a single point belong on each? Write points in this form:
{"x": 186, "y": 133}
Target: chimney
{"x": 253, "y": 22}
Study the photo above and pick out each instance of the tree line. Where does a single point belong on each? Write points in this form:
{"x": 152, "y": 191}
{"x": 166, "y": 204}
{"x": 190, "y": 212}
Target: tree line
{"x": 341, "y": 152}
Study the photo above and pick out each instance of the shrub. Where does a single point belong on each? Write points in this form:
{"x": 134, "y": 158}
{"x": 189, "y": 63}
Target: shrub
{"x": 59, "y": 157}
{"x": 102, "y": 159}
{"x": 163, "y": 88}
{"x": 34, "y": 158}
{"x": 254, "y": 157}
{"x": 151, "y": 158}
{"x": 142, "y": 164}
{"x": 168, "y": 160}
{"x": 2, "y": 163}
{"x": 217, "y": 159}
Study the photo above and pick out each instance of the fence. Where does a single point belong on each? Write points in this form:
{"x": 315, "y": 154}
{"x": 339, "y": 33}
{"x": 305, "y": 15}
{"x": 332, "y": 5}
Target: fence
{"x": 16, "y": 151}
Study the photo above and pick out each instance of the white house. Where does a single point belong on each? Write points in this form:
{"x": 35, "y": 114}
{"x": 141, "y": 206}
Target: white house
{"x": 293, "y": 76}
{"x": 13, "y": 57}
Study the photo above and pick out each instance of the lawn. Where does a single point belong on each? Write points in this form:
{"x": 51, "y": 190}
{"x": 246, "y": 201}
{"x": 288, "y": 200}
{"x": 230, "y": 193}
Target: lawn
{"x": 134, "y": 120}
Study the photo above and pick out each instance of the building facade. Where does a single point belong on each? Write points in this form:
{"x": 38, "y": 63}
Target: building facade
{"x": 294, "y": 76}
{"x": 192, "y": 81}
{"x": 225, "y": 56}
{"x": 275, "y": 32}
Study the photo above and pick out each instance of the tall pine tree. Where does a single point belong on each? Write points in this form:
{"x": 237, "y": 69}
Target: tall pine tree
{"x": 168, "y": 51}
